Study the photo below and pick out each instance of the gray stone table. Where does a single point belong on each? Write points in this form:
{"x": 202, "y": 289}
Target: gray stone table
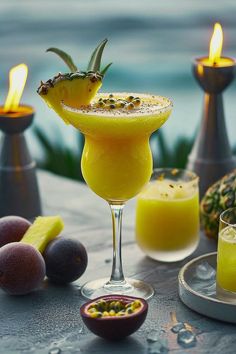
{"x": 48, "y": 321}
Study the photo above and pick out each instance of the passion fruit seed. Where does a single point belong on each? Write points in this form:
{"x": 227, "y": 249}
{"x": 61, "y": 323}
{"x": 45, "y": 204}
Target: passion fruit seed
{"x": 96, "y": 314}
{"x": 136, "y": 304}
{"x": 137, "y": 102}
{"x": 100, "y": 104}
{"x": 112, "y": 313}
{"x": 117, "y": 306}
{"x": 120, "y": 104}
{"x": 113, "y": 103}
{"x": 121, "y": 313}
{"x": 129, "y": 310}
{"x": 112, "y": 305}
{"x": 92, "y": 310}
{"x": 103, "y": 308}
{"x": 130, "y": 106}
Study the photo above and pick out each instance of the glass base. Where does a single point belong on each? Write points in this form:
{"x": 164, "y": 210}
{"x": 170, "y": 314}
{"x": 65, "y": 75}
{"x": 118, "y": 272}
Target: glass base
{"x": 225, "y": 295}
{"x": 171, "y": 256}
{"x": 129, "y": 287}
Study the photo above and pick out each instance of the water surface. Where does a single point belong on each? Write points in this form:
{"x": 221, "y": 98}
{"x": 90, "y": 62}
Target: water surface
{"x": 151, "y": 44}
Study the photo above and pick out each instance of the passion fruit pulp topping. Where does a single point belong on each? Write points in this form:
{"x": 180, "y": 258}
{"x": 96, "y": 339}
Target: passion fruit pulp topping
{"x": 114, "y": 316}
{"x": 104, "y": 309}
{"x": 129, "y": 102}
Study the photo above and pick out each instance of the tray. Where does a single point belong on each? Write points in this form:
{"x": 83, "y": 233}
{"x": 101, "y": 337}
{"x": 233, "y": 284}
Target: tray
{"x": 197, "y": 289}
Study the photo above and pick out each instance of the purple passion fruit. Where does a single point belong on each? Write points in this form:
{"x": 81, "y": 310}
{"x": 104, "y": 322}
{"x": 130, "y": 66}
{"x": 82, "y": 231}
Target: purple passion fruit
{"x": 114, "y": 316}
{"x": 66, "y": 260}
{"x": 12, "y": 229}
{"x": 22, "y": 268}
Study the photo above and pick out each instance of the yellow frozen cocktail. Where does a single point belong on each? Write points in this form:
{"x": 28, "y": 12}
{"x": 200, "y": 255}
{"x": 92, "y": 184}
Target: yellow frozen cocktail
{"x": 116, "y": 161}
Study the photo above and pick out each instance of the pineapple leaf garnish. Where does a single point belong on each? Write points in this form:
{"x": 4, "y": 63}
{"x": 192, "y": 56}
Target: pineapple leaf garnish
{"x": 95, "y": 60}
{"x": 104, "y": 70}
{"x": 65, "y": 57}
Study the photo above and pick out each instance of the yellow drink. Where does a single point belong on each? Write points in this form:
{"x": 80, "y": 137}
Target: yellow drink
{"x": 117, "y": 160}
{"x": 116, "y": 164}
{"x": 167, "y": 219}
{"x": 226, "y": 259}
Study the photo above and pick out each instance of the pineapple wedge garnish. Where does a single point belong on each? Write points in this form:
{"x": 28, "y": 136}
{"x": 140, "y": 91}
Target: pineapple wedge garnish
{"x": 76, "y": 88}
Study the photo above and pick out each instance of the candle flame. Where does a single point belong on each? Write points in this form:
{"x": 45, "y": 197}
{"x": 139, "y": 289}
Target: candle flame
{"x": 17, "y": 79}
{"x": 216, "y": 44}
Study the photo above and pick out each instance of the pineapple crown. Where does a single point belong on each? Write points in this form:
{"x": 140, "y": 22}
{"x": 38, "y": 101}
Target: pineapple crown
{"x": 94, "y": 71}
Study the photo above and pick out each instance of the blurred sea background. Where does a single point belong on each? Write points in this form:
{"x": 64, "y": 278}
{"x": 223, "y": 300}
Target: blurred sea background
{"x": 151, "y": 44}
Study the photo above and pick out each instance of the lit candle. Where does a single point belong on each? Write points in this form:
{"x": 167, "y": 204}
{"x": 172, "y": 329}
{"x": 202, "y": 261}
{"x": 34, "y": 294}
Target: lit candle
{"x": 211, "y": 156}
{"x": 18, "y": 183}
{"x": 215, "y": 48}
{"x": 17, "y": 81}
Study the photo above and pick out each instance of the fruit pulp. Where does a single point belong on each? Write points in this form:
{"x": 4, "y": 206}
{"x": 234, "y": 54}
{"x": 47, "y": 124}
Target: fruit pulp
{"x": 117, "y": 161}
{"x": 167, "y": 220}
{"x": 226, "y": 259}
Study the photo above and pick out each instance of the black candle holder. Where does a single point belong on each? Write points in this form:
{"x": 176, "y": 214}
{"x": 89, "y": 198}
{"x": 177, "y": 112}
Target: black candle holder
{"x": 211, "y": 156}
{"x": 19, "y": 193}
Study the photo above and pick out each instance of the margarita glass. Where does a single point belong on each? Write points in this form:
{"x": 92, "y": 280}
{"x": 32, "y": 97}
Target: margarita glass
{"x": 116, "y": 164}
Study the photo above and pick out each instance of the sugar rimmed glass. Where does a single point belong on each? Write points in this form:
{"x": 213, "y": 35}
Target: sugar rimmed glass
{"x": 116, "y": 164}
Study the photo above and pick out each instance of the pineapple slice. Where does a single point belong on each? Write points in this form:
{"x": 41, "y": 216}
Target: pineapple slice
{"x": 76, "y": 88}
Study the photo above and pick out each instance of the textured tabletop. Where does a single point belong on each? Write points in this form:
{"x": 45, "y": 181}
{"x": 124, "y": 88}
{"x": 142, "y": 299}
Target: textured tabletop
{"x": 48, "y": 321}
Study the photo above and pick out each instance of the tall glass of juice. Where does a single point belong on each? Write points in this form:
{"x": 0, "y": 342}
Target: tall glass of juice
{"x": 167, "y": 215}
{"x": 226, "y": 256}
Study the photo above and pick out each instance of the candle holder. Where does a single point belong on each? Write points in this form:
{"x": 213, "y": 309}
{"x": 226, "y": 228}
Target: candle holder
{"x": 19, "y": 193}
{"x": 211, "y": 156}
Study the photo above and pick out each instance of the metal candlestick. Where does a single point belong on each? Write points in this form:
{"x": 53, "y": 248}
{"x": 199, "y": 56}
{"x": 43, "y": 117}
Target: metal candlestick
{"x": 211, "y": 156}
{"x": 19, "y": 194}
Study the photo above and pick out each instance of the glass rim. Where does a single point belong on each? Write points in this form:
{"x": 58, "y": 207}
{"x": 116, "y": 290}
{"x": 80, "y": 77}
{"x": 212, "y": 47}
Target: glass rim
{"x": 223, "y": 214}
{"x": 163, "y": 109}
{"x": 191, "y": 174}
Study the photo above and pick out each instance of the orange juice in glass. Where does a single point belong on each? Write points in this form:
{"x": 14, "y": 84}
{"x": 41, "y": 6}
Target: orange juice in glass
{"x": 167, "y": 215}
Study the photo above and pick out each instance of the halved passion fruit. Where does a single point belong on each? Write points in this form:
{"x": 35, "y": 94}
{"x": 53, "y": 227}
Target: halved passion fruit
{"x": 114, "y": 316}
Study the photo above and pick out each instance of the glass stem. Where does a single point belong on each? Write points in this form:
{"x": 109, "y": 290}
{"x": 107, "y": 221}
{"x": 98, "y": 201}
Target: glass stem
{"x": 117, "y": 275}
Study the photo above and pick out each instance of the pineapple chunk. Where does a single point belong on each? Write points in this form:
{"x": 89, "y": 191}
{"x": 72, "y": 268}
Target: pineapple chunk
{"x": 42, "y": 231}
{"x": 76, "y": 88}
{"x": 74, "y": 92}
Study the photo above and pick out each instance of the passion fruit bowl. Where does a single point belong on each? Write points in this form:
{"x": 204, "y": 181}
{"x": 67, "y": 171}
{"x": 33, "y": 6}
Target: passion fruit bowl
{"x": 114, "y": 317}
